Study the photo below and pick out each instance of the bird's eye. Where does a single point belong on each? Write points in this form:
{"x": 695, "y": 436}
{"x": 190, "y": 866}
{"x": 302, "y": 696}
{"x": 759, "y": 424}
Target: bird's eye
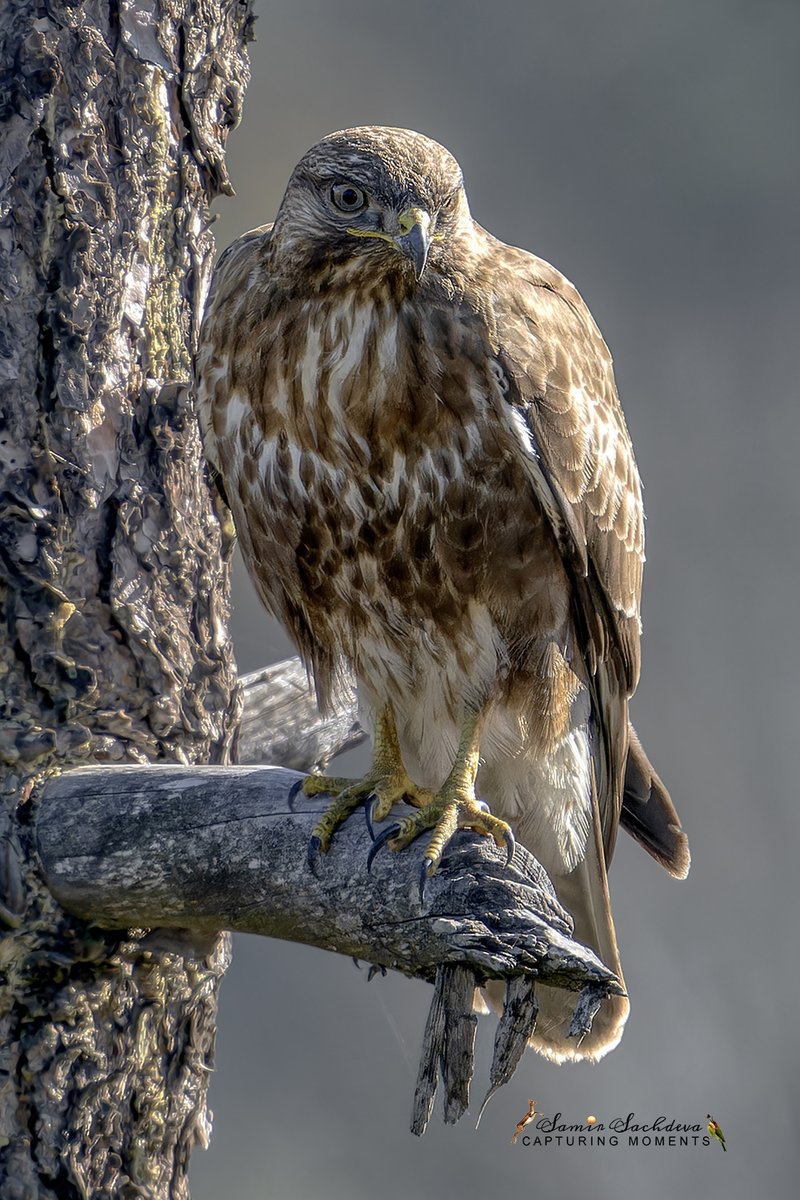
{"x": 348, "y": 198}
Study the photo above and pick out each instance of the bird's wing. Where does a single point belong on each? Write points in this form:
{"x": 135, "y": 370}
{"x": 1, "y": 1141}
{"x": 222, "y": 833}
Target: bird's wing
{"x": 563, "y": 405}
{"x": 563, "y": 390}
{"x": 225, "y": 311}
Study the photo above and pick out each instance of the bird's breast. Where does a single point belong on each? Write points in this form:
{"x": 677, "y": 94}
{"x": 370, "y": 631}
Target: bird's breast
{"x": 370, "y": 473}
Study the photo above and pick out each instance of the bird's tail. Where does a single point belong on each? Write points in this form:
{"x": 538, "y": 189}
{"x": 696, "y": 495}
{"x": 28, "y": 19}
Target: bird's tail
{"x": 583, "y": 892}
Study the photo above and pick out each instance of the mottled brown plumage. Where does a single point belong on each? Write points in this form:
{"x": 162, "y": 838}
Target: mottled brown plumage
{"x": 433, "y": 485}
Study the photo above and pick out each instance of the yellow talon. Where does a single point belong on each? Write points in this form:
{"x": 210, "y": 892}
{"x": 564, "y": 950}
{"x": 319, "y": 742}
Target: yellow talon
{"x": 387, "y": 780}
{"x": 453, "y": 807}
{"x": 445, "y": 815}
{"x": 324, "y": 785}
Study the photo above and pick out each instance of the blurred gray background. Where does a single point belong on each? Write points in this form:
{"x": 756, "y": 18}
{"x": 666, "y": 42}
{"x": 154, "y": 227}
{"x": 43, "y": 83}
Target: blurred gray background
{"x": 650, "y": 150}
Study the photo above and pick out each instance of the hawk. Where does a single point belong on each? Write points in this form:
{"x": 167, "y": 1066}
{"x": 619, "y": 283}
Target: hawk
{"x": 420, "y": 440}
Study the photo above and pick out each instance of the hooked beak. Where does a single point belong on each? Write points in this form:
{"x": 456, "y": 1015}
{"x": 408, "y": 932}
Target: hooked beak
{"x": 413, "y": 238}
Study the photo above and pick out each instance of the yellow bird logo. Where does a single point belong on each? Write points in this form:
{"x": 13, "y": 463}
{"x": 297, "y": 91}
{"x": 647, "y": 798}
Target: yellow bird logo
{"x": 715, "y": 1131}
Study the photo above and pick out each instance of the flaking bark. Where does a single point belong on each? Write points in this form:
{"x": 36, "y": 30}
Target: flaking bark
{"x": 113, "y": 585}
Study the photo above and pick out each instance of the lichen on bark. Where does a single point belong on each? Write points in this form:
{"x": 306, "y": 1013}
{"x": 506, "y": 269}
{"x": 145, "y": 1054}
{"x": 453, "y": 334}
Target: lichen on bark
{"x": 113, "y": 581}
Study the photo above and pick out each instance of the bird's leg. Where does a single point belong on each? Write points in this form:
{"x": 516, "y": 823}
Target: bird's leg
{"x": 387, "y": 781}
{"x": 455, "y": 806}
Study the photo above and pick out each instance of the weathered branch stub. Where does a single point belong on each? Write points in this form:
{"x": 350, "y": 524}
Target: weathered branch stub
{"x": 210, "y": 848}
{"x": 281, "y": 723}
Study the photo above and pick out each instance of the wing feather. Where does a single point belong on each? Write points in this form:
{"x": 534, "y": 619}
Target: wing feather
{"x": 563, "y": 394}
{"x": 563, "y": 389}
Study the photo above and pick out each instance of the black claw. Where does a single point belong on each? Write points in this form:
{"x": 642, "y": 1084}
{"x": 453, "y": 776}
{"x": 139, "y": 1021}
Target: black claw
{"x": 313, "y": 852}
{"x": 510, "y": 845}
{"x": 424, "y": 876}
{"x": 293, "y": 790}
{"x": 369, "y": 809}
{"x": 375, "y": 969}
{"x": 380, "y": 841}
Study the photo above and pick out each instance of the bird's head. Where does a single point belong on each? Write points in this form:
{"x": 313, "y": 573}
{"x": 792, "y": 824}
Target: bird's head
{"x": 387, "y": 200}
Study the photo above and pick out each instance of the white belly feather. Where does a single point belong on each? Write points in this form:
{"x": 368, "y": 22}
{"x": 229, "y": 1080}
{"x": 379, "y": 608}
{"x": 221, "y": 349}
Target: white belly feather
{"x": 545, "y": 797}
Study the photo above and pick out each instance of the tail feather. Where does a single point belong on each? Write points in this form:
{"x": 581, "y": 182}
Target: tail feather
{"x": 649, "y": 815}
{"x": 584, "y": 894}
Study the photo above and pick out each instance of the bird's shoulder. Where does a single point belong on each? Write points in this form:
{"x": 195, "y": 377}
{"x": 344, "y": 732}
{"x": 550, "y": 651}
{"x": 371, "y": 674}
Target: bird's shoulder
{"x": 241, "y": 273}
{"x": 235, "y": 299}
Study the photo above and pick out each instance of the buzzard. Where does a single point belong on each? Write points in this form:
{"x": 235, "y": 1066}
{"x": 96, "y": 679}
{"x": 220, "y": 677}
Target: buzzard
{"x": 420, "y": 439}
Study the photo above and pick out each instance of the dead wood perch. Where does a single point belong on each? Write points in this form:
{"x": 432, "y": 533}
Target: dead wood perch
{"x": 211, "y": 848}
{"x": 282, "y": 725}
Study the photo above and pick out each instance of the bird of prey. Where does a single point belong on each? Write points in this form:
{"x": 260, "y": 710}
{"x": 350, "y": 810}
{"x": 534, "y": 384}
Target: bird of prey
{"x": 420, "y": 440}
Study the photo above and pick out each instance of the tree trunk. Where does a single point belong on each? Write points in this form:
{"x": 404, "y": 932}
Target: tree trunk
{"x": 113, "y": 583}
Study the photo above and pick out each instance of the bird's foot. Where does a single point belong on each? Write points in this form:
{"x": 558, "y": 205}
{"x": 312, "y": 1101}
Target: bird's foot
{"x": 450, "y": 809}
{"x": 378, "y": 790}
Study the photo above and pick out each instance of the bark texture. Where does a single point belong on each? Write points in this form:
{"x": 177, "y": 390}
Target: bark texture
{"x": 113, "y": 585}
{"x": 202, "y": 849}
